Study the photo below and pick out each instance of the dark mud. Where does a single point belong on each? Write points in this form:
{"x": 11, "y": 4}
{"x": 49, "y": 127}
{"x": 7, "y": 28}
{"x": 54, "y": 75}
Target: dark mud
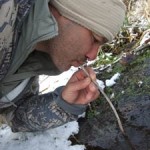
{"x": 132, "y": 101}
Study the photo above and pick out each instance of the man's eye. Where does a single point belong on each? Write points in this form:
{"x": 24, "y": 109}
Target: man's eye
{"x": 95, "y": 40}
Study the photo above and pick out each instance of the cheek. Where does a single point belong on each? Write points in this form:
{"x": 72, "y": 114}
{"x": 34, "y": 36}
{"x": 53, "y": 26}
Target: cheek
{"x": 84, "y": 45}
{"x": 77, "y": 44}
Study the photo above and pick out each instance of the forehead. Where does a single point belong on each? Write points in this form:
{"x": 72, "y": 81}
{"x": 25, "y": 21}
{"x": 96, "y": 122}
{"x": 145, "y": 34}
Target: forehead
{"x": 99, "y": 38}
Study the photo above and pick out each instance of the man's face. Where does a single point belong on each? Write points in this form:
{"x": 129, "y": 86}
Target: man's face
{"x": 73, "y": 45}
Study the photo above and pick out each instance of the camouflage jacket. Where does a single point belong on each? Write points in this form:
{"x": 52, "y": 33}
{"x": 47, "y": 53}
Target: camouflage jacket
{"x": 12, "y": 15}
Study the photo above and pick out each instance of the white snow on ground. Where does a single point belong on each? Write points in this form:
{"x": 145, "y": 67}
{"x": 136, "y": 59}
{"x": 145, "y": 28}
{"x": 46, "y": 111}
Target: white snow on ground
{"x": 53, "y": 139}
{"x": 50, "y": 83}
{"x": 112, "y": 81}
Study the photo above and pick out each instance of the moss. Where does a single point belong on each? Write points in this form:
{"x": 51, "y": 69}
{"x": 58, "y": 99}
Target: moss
{"x": 133, "y": 82}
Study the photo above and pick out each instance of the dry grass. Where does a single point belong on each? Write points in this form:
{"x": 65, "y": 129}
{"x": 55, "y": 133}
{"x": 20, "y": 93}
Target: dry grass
{"x": 138, "y": 10}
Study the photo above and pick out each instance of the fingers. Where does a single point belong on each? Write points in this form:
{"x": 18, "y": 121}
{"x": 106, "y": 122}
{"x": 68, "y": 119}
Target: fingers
{"x": 80, "y": 89}
{"x": 75, "y": 92}
{"x": 84, "y": 82}
{"x": 80, "y": 84}
{"x": 80, "y": 74}
{"x": 92, "y": 93}
{"x": 80, "y": 80}
{"x": 91, "y": 73}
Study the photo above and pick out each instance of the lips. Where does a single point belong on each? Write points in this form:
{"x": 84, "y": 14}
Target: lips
{"x": 78, "y": 63}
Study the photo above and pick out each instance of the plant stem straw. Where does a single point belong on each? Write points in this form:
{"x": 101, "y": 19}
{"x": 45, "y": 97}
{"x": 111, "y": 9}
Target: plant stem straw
{"x": 108, "y": 100}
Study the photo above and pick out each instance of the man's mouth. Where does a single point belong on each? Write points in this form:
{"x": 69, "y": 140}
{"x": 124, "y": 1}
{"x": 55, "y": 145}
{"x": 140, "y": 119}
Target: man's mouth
{"x": 79, "y": 63}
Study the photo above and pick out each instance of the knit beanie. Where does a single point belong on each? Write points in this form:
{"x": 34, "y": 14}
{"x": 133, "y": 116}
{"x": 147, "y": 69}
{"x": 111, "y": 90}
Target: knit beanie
{"x": 102, "y": 17}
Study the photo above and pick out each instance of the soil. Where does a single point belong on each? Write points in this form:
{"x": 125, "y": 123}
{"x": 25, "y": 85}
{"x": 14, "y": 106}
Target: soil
{"x": 132, "y": 102}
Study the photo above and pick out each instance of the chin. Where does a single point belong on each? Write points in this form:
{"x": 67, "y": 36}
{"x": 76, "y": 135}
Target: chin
{"x": 62, "y": 69}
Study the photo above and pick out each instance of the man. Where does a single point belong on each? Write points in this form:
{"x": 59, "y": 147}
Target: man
{"x": 48, "y": 37}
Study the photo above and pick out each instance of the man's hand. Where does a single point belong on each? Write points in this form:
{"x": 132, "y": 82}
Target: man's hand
{"x": 80, "y": 89}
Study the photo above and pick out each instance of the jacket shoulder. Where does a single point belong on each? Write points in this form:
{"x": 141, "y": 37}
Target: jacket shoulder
{"x": 12, "y": 13}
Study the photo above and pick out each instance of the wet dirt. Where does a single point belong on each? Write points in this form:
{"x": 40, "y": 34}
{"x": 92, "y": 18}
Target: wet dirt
{"x": 132, "y": 101}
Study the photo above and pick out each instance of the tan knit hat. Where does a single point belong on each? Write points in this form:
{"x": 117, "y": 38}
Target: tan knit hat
{"x": 103, "y": 17}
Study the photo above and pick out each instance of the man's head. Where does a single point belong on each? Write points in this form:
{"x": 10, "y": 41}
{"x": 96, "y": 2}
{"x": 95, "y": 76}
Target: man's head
{"x": 102, "y": 17}
{"x": 78, "y": 40}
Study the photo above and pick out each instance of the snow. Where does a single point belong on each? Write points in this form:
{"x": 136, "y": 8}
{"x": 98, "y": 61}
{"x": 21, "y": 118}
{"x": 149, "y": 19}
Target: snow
{"x": 52, "y": 139}
{"x": 112, "y": 81}
{"x": 50, "y": 83}
{"x": 100, "y": 83}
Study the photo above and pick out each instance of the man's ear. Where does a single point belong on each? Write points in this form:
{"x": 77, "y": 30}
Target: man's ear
{"x": 54, "y": 11}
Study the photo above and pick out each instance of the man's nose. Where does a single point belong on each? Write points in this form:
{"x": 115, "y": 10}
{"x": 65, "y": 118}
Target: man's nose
{"x": 92, "y": 54}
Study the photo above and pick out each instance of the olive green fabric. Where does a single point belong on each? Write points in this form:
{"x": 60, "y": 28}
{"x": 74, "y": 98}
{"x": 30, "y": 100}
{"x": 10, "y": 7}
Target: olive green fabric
{"x": 36, "y": 27}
